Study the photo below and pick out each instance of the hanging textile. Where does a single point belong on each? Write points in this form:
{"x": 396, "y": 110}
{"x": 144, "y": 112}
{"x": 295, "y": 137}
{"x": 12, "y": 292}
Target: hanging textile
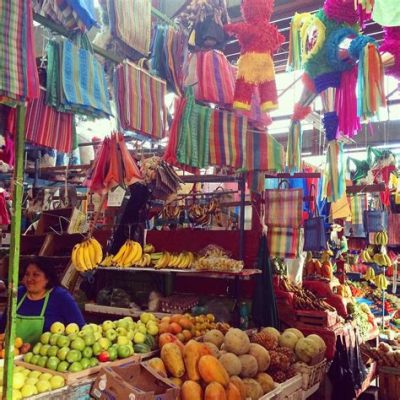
{"x": 130, "y": 23}
{"x": 168, "y": 52}
{"x": 72, "y": 14}
{"x": 4, "y": 214}
{"x": 47, "y": 127}
{"x": 358, "y": 204}
{"x": 228, "y": 139}
{"x": 140, "y": 100}
{"x": 19, "y": 80}
{"x": 334, "y": 180}
{"x": 76, "y": 81}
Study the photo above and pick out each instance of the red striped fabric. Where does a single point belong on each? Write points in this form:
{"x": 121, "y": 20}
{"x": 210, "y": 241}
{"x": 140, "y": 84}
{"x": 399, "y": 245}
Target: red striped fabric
{"x": 47, "y": 127}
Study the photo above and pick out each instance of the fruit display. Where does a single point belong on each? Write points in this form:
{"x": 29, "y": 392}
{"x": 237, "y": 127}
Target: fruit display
{"x": 363, "y": 317}
{"x": 72, "y": 349}
{"x": 384, "y": 354}
{"x": 177, "y": 304}
{"x": 28, "y": 383}
{"x": 370, "y": 255}
{"x": 186, "y": 326}
{"x": 381, "y": 238}
{"x": 214, "y": 258}
{"x": 19, "y": 346}
{"x": 303, "y": 298}
{"x": 317, "y": 268}
{"x": 128, "y": 255}
{"x": 87, "y": 255}
{"x": 182, "y": 260}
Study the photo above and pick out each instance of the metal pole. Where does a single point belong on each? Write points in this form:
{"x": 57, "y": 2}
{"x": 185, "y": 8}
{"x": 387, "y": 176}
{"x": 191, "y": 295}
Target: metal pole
{"x": 13, "y": 264}
{"x": 242, "y": 188}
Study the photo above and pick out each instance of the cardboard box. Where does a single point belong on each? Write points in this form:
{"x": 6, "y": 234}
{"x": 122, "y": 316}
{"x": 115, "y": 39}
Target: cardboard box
{"x": 133, "y": 381}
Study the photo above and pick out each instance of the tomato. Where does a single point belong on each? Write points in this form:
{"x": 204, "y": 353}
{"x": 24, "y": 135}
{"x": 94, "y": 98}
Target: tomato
{"x": 103, "y": 356}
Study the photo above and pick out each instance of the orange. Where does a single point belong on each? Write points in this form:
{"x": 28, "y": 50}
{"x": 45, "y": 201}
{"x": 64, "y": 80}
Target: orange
{"x": 175, "y": 328}
{"x": 16, "y": 351}
{"x": 2, "y": 353}
{"x": 18, "y": 342}
{"x": 176, "y": 317}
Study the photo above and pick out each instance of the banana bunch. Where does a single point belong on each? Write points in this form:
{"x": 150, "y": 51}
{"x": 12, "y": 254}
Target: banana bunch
{"x": 370, "y": 274}
{"x": 381, "y": 282}
{"x": 145, "y": 261}
{"x": 107, "y": 262}
{"x": 182, "y": 260}
{"x": 382, "y": 260}
{"x": 129, "y": 254}
{"x": 161, "y": 260}
{"x": 148, "y": 248}
{"x": 87, "y": 255}
{"x": 366, "y": 257}
{"x": 381, "y": 238}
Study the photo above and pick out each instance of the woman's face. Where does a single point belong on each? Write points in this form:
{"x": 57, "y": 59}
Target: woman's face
{"x": 35, "y": 280}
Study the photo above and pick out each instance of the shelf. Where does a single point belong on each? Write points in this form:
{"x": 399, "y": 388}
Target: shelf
{"x": 245, "y": 274}
{"x": 119, "y": 311}
{"x": 378, "y": 188}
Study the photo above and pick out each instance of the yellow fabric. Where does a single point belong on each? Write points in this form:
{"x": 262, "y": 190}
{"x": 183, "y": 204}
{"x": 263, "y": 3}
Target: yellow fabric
{"x": 268, "y": 106}
{"x": 241, "y": 106}
{"x": 340, "y": 209}
{"x": 308, "y": 26}
{"x": 256, "y": 68}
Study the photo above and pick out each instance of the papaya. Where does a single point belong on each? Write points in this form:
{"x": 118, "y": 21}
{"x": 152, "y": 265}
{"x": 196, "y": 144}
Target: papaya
{"x": 317, "y": 267}
{"x": 326, "y": 270}
{"x": 176, "y": 381}
{"x": 214, "y": 391}
{"x": 158, "y": 365}
{"x": 192, "y": 352}
{"x": 172, "y": 357}
{"x": 211, "y": 370}
{"x": 310, "y": 267}
{"x": 240, "y": 386}
{"x": 191, "y": 390}
{"x": 232, "y": 392}
{"x": 169, "y": 338}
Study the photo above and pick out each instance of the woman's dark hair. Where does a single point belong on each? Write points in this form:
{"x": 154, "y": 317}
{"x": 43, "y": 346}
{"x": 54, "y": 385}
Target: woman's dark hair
{"x": 49, "y": 269}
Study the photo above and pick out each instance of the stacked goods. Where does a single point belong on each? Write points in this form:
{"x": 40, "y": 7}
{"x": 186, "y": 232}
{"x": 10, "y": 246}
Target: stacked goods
{"x": 304, "y": 299}
{"x": 128, "y": 255}
{"x": 363, "y": 318}
{"x": 384, "y": 355}
{"x": 214, "y": 258}
{"x": 186, "y": 326}
{"x": 87, "y": 255}
{"x": 19, "y": 346}
{"x": 73, "y": 350}
{"x": 27, "y": 383}
{"x": 320, "y": 269}
{"x": 178, "y": 304}
{"x": 182, "y": 260}
{"x": 369, "y": 255}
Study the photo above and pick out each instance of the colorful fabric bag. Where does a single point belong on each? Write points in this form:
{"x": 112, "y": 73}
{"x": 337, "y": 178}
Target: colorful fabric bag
{"x": 283, "y": 241}
{"x": 375, "y": 220}
{"x": 358, "y": 204}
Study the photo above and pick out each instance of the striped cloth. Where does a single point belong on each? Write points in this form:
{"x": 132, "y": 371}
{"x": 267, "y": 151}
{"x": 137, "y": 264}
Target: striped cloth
{"x": 140, "y": 100}
{"x": 47, "y": 127}
{"x": 263, "y": 152}
{"x": 283, "y": 242}
{"x": 130, "y": 23}
{"x": 227, "y": 139}
{"x": 19, "y": 79}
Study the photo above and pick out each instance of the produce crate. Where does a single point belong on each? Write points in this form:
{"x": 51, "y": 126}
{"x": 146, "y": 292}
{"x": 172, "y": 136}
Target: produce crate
{"x": 312, "y": 375}
{"x": 75, "y": 377}
{"x": 324, "y": 319}
{"x": 389, "y": 383}
{"x": 289, "y": 390}
{"x": 58, "y": 394}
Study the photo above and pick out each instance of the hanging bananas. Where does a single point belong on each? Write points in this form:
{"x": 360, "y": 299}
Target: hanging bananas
{"x": 129, "y": 254}
{"x": 370, "y": 274}
{"x": 382, "y": 259}
{"x": 381, "y": 282}
{"x": 87, "y": 255}
{"x": 365, "y": 256}
{"x": 381, "y": 238}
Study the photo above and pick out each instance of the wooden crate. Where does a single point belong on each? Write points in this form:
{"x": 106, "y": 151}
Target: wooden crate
{"x": 289, "y": 390}
{"x": 389, "y": 383}
{"x": 311, "y": 374}
{"x": 323, "y": 319}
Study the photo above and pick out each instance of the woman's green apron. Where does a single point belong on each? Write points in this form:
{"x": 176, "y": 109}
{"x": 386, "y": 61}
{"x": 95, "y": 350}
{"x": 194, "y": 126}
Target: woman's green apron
{"x": 29, "y": 328}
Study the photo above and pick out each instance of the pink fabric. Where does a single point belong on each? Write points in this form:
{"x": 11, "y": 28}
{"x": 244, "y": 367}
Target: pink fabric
{"x": 341, "y": 11}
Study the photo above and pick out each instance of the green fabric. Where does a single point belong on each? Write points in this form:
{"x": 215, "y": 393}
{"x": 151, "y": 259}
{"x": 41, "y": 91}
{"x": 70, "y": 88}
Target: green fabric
{"x": 29, "y": 328}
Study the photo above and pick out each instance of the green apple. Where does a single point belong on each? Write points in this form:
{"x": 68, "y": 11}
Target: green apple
{"x": 142, "y": 329}
{"x": 104, "y": 343}
{"x": 85, "y": 362}
{"x": 122, "y": 331}
{"x": 18, "y": 380}
{"x": 130, "y": 335}
{"x": 62, "y": 353}
{"x": 63, "y": 366}
{"x": 54, "y": 339}
{"x": 106, "y": 325}
{"x": 78, "y": 344}
{"x": 42, "y": 361}
{"x": 57, "y": 382}
{"x": 44, "y": 349}
{"x": 27, "y": 391}
{"x": 89, "y": 328}
{"x": 52, "y": 351}
{"x": 75, "y": 367}
{"x": 16, "y": 394}
{"x": 89, "y": 339}
{"x": 122, "y": 340}
{"x": 152, "y": 330}
{"x": 43, "y": 386}
{"x": 73, "y": 336}
{"x": 45, "y": 337}
{"x": 131, "y": 349}
{"x": 36, "y": 348}
{"x": 52, "y": 363}
{"x": 97, "y": 335}
{"x": 34, "y": 374}
{"x": 63, "y": 341}
{"x": 57, "y": 327}
{"x": 87, "y": 352}
{"x": 28, "y": 357}
{"x": 96, "y": 349}
{"x": 145, "y": 317}
{"x": 139, "y": 338}
{"x": 35, "y": 359}
{"x": 26, "y": 372}
{"x": 71, "y": 328}
{"x": 31, "y": 381}
{"x": 94, "y": 362}
{"x": 113, "y": 353}
{"x": 123, "y": 351}
{"x": 122, "y": 323}
{"x": 73, "y": 356}
{"x": 111, "y": 335}
{"x": 45, "y": 376}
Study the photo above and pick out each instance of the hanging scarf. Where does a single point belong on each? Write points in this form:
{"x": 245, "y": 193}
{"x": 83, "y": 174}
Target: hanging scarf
{"x": 334, "y": 178}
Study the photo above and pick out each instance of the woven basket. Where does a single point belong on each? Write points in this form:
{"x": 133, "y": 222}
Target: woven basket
{"x": 311, "y": 374}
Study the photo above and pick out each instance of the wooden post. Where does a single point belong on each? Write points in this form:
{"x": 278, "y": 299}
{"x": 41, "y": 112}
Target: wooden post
{"x": 13, "y": 264}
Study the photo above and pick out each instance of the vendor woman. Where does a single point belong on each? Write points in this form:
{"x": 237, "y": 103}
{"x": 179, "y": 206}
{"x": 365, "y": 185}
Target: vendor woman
{"x": 42, "y": 301}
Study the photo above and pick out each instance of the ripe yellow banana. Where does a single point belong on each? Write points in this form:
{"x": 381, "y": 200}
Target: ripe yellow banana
{"x": 107, "y": 262}
{"x": 163, "y": 261}
{"x": 124, "y": 261}
{"x": 134, "y": 254}
{"x": 117, "y": 258}
{"x": 98, "y": 250}
{"x": 74, "y": 258}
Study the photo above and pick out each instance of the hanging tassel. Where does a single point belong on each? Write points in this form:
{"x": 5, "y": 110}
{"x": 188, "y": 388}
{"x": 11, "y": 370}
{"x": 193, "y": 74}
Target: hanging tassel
{"x": 371, "y": 91}
{"x": 295, "y": 53}
{"x": 346, "y": 104}
{"x": 334, "y": 183}
{"x": 294, "y": 146}
{"x": 364, "y": 9}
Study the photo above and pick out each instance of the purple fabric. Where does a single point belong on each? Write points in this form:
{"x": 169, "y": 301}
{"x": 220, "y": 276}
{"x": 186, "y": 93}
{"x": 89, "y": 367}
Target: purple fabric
{"x": 325, "y": 81}
{"x": 331, "y": 123}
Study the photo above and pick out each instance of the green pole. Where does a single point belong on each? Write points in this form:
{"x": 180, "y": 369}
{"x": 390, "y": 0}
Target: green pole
{"x": 13, "y": 264}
